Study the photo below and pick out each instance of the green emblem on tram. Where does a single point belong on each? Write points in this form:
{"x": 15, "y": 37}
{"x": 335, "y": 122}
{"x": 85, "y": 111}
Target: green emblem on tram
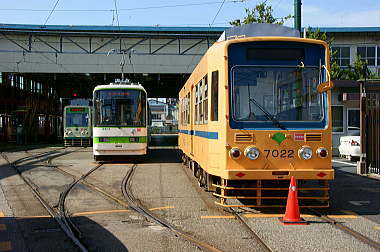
{"x": 279, "y": 137}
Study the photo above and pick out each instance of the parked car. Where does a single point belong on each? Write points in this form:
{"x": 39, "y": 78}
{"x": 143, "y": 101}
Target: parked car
{"x": 350, "y": 146}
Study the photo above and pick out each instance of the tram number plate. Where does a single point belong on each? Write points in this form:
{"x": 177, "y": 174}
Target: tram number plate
{"x": 133, "y": 139}
{"x": 279, "y": 153}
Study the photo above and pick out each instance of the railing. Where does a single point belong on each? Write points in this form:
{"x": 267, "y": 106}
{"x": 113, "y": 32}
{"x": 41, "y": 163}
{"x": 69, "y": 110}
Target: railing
{"x": 164, "y": 130}
{"x": 370, "y": 131}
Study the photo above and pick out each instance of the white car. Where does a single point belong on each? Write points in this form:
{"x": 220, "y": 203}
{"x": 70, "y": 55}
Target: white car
{"x": 350, "y": 146}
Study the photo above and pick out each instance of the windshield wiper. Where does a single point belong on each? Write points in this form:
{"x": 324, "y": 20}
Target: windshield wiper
{"x": 267, "y": 114}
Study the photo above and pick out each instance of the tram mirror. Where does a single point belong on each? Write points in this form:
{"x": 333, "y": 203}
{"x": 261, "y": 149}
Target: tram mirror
{"x": 325, "y": 86}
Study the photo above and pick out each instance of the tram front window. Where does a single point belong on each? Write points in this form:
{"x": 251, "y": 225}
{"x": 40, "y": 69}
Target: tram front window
{"x": 76, "y": 119}
{"x": 120, "y": 107}
{"x": 276, "y": 94}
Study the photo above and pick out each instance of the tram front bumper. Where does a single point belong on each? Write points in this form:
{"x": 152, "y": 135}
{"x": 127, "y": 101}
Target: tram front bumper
{"x": 120, "y": 149}
{"x": 315, "y": 174}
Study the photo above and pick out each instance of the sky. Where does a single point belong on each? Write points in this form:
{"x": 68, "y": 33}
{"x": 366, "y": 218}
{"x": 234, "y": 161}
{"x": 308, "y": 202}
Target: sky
{"x": 321, "y": 13}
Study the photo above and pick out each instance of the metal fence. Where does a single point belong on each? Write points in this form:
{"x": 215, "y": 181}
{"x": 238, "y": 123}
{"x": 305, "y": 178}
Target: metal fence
{"x": 164, "y": 129}
{"x": 370, "y": 132}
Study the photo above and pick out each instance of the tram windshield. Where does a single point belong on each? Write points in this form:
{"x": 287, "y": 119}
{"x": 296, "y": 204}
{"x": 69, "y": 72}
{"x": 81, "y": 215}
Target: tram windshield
{"x": 276, "y": 94}
{"x": 77, "y": 117}
{"x": 120, "y": 107}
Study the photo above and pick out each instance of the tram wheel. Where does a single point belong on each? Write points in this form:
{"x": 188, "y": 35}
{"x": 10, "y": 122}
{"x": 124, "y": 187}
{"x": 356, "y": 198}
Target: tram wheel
{"x": 201, "y": 177}
{"x": 204, "y": 179}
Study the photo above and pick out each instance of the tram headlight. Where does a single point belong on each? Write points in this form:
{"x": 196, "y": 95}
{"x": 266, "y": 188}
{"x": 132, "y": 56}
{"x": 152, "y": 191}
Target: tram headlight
{"x": 68, "y": 132}
{"x": 322, "y": 152}
{"x": 235, "y": 153}
{"x": 305, "y": 153}
{"x": 252, "y": 153}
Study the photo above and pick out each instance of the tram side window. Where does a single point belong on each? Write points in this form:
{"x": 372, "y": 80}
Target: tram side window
{"x": 181, "y": 112}
{"x": 214, "y": 95}
{"x": 200, "y": 99}
{"x": 183, "y": 104}
{"x": 184, "y": 111}
{"x": 188, "y": 109}
{"x": 205, "y": 100}
{"x": 196, "y": 105}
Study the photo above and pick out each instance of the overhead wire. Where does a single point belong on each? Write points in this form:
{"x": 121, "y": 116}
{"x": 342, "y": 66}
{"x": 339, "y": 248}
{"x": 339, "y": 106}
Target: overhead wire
{"x": 116, "y": 10}
{"x": 217, "y": 13}
{"x": 51, "y": 12}
{"x": 199, "y": 48}
{"x": 130, "y": 9}
{"x": 125, "y": 9}
{"x": 125, "y": 46}
{"x": 52, "y": 61}
{"x": 117, "y": 15}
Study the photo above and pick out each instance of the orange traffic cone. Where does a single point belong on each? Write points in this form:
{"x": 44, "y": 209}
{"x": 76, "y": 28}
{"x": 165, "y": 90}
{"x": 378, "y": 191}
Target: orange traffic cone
{"x": 292, "y": 213}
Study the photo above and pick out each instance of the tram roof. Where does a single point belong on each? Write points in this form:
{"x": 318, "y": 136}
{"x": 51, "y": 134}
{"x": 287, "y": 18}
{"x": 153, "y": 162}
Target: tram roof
{"x": 77, "y": 106}
{"x": 119, "y": 86}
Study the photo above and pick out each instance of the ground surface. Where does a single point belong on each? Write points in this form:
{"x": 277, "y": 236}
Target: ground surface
{"x": 163, "y": 185}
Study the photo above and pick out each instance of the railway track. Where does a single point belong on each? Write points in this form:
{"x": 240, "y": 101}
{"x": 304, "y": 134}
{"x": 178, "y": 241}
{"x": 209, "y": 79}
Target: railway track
{"x": 346, "y": 229}
{"x": 255, "y": 236}
{"x": 63, "y": 218}
{"x": 130, "y": 203}
{"x": 211, "y": 205}
{"x": 263, "y": 245}
{"x": 62, "y": 199}
{"x": 138, "y": 207}
{"x": 56, "y": 215}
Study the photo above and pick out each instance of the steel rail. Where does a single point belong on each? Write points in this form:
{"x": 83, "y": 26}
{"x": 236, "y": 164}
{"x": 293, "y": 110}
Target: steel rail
{"x": 39, "y": 155}
{"x": 138, "y": 207}
{"x": 62, "y": 198}
{"x": 90, "y": 185}
{"x": 263, "y": 245}
{"x": 56, "y": 216}
{"x": 346, "y": 229}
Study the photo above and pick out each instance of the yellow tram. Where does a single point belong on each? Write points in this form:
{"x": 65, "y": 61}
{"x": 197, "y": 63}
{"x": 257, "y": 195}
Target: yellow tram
{"x": 254, "y": 112}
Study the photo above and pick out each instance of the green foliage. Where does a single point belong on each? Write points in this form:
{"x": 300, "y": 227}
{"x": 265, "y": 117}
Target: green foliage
{"x": 352, "y": 72}
{"x": 317, "y": 34}
{"x": 262, "y": 13}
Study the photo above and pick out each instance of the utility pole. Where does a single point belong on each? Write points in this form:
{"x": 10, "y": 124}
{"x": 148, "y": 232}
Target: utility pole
{"x": 297, "y": 15}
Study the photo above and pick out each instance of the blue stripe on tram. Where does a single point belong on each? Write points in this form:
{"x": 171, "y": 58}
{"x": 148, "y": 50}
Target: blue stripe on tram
{"x": 204, "y": 134}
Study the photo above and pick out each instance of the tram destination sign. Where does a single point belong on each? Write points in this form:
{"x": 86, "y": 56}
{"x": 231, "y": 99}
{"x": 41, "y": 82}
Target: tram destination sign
{"x": 76, "y": 109}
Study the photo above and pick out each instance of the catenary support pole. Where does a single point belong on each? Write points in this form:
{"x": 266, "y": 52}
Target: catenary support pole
{"x": 297, "y": 14}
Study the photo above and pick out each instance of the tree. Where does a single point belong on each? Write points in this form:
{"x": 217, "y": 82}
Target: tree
{"x": 262, "y": 13}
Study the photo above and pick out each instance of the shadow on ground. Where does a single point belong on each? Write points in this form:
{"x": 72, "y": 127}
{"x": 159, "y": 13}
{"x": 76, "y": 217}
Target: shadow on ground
{"x": 44, "y": 234}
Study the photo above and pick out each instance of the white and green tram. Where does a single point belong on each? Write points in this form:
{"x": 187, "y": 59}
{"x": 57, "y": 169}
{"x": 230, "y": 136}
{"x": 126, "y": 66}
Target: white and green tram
{"x": 77, "y": 126}
{"x": 120, "y": 120}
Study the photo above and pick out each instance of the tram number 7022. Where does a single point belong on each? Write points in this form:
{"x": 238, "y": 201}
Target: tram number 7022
{"x": 279, "y": 153}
